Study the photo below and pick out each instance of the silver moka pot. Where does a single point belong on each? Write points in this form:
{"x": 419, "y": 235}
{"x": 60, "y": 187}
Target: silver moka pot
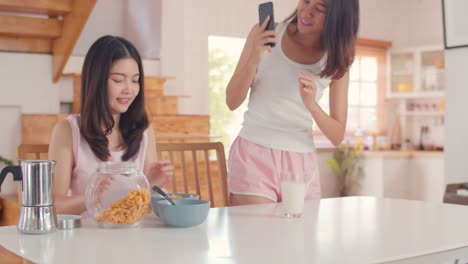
{"x": 37, "y": 211}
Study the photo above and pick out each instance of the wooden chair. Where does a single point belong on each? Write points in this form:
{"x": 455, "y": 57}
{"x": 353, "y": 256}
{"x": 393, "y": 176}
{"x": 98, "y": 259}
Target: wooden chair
{"x": 192, "y": 171}
{"x": 195, "y": 171}
{"x": 11, "y": 203}
{"x": 33, "y": 151}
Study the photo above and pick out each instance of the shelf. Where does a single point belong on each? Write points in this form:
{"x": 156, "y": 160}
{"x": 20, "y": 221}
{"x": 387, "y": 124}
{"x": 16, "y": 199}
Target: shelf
{"x": 416, "y": 95}
{"x": 424, "y": 113}
{"x": 403, "y": 73}
{"x": 435, "y": 70}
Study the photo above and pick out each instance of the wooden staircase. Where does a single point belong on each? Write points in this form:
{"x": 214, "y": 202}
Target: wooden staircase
{"x": 53, "y": 27}
{"x": 168, "y": 125}
{"x": 43, "y": 26}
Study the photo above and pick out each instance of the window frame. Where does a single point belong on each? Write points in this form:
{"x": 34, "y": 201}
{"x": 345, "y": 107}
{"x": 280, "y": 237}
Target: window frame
{"x": 380, "y": 50}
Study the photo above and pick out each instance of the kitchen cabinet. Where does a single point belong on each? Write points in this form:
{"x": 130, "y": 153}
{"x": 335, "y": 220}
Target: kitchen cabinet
{"x": 385, "y": 177}
{"x": 416, "y": 92}
{"x": 411, "y": 175}
{"x": 416, "y": 72}
{"x": 397, "y": 182}
{"x": 428, "y": 183}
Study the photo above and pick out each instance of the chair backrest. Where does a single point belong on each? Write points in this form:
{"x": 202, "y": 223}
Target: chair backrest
{"x": 195, "y": 170}
{"x": 33, "y": 151}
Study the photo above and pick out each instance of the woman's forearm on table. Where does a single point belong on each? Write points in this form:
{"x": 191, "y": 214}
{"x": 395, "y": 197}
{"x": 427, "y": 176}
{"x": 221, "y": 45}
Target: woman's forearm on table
{"x": 70, "y": 204}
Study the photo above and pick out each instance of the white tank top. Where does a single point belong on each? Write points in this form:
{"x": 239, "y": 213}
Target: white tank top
{"x": 276, "y": 116}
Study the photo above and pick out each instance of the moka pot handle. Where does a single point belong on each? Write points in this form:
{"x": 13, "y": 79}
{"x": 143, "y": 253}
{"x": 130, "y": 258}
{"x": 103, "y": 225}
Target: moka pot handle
{"x": 15, "y": 170}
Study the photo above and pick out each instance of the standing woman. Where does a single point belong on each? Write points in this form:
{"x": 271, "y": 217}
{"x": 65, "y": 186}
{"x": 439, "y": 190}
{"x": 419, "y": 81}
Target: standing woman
{"x": 314, "y": 50}
{"x": 112, "y": 125}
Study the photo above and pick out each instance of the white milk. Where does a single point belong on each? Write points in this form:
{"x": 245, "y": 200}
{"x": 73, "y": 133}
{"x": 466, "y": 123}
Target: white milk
{"x": 293, "y": 196}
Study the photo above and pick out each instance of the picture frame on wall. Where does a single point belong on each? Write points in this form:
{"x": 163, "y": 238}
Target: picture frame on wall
{"x": 455, "y": 23}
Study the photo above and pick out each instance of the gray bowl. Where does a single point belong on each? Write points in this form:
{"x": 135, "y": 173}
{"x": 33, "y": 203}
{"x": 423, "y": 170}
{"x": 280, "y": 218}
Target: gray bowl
{"x": 157, "y": 197}
{"x": 185, "y": 212}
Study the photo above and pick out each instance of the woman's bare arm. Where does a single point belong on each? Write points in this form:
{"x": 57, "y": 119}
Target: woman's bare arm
{"x": 243, "y": 76}
{"x": 61, "y": 150}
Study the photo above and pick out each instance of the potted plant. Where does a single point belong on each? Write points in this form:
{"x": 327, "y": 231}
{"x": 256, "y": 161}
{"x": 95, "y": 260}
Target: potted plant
{"x": 346, "y": 164}
{"x": 5, "y": 161}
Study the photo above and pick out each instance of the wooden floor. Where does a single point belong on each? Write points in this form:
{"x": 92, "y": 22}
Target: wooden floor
{"x": 9, "y": 213}
{"x": 7, "y": 257}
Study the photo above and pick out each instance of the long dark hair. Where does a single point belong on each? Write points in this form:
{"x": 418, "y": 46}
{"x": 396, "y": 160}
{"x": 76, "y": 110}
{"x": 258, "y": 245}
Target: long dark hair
{"x": 338, "y": 36}
{"x": 96, "y": 116}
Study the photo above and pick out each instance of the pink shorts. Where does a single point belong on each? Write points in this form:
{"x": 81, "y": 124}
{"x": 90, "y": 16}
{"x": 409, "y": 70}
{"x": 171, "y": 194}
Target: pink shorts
{"x": 255, "y": 170}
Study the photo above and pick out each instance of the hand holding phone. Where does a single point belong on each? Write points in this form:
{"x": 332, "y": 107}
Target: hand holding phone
{"x": 265, "y": 10}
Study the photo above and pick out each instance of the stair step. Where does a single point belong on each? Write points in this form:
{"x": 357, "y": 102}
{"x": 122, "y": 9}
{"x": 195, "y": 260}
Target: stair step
{"x": 186, "y": 124}
{"x": 49, "y": 7}
{"x": 37, "y": 128}
{"x": 154, "y": 97}
{"x": 161, "y": 105}
{"x": 155, "y": 84}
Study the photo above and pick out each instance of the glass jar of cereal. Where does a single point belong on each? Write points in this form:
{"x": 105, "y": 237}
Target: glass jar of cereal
{"x": 117, "y": 195}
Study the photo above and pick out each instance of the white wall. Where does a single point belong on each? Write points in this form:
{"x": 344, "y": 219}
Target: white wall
{"x": 137, "y": 20}
{"x": 407, "y": 23}
{"x": 415, "y": 23}
{"x": 105, "y": 19}
{"x": 376, "y": 19}
{"x": 26, "y": 87}
{"x": 10, "y": 117}
{"x": 456, "y": 127}
{"x": 142, "y": 25}
{"x": 27, "y": 82}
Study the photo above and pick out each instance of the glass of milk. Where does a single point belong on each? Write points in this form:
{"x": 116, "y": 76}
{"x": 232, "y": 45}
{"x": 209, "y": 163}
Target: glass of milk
{"x": 293, "y": 188}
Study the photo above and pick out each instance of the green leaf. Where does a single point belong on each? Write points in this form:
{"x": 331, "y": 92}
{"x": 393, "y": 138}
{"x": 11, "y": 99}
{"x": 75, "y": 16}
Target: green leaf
{"x": 334, "y": 166}
{"x": 6, "y": 161}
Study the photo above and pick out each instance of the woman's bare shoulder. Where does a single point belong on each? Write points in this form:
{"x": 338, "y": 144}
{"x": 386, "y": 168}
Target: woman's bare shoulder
{"x": 63, "y": 126}
{"x": 62, "y": 131}
{"x": 150, "y": 130}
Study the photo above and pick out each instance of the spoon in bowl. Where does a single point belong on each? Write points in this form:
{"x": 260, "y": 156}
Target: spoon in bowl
{"x": 161, "y": 192}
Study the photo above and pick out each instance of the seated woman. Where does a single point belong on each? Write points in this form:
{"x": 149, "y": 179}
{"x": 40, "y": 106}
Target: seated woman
{"x": 112, "y": 125}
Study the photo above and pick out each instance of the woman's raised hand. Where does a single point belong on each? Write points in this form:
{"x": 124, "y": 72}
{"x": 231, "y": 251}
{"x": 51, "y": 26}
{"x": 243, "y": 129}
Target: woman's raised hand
{"x": 257, "y": 40}
{"x": 160, "y": 173}
{"x": 308, "y": 89}
{"x": 103, "y": 187}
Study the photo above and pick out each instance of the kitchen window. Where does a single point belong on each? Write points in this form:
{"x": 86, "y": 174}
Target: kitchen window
{"x": 366, "y": 92}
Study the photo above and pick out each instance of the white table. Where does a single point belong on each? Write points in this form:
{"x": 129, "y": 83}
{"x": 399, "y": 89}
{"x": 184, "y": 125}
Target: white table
{"x": 339, "y": 230}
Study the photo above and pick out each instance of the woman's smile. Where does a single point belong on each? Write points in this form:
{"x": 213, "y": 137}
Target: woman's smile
{"x": 305, "y": 22}
{"x": 123, "y": 101}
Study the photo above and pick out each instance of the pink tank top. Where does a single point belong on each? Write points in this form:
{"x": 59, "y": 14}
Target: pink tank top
{"x": 86, "y": 163}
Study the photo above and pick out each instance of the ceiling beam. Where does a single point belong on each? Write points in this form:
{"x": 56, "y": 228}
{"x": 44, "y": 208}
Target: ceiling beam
{"x": 12, "y": 44}
{"x": 73, "y": 24}
{"x": 47, "y": 7}
{"x": 22, "y": 26}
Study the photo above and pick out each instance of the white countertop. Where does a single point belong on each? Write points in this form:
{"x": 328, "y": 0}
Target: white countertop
{"x": 389, "y": 154}
{"x": 338, "y": 230}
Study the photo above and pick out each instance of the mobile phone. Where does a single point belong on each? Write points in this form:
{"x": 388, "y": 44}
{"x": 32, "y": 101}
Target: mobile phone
{"x": 264, "y": 10}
